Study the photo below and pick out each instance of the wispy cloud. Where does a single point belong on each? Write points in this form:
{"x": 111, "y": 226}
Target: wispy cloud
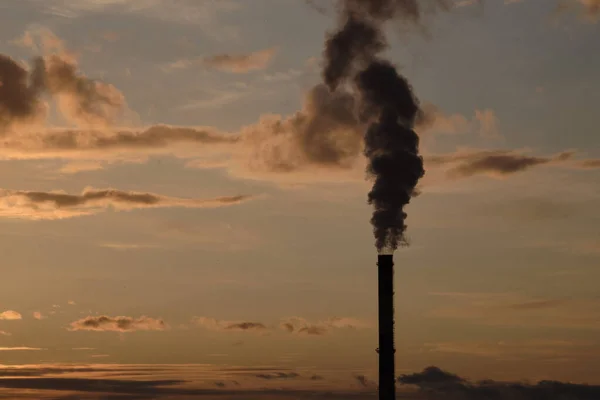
{"x": 60, "y": 143}
{"x": 365, "y": 382}
{"x": 59, "y": 205}
{"x": 301, "y": 326}
{"x": 127, "y": 246}
{"x": 278, "y": 375}
{"x": 241, "y": 63}
{"x": 590, "y": 9}
{"x": 514, "y": 351}
{"x": 38, "y": 315}
{"x": 235, "y": 63}
{"x": 232, "y": 326}
{"x": 204, "y": 14}
{"x": 505, "y": 309}
{"x": 295, "y": 325}
{"x": 592, "y": 163}
{"x": 432, "y": 121}
{"x": 81, "y": 166}
{"x": 21, "y": 349}
{"x": 497, "y": 163}
{"x": 105, "y": 323}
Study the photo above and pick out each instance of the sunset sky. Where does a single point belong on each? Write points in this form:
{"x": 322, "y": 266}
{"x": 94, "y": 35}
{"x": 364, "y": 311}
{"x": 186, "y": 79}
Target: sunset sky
{"x": 157, "y": 215}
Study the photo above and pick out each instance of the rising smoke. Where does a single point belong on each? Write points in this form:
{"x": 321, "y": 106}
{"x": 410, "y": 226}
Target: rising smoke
{"x": 353, "y": 56}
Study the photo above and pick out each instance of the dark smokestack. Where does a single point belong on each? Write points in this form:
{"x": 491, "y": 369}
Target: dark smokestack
{"x": 353, "y": 56}
{"x": 387, "y": 373}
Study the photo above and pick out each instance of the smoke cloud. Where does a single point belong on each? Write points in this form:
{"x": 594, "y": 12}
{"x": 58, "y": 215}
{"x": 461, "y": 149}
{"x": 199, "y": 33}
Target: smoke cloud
{"x": 353, "y": 56}
{"x": 105, "y": 323}
{"x": 325, "y": 133}
{"x": 58, "y": 205}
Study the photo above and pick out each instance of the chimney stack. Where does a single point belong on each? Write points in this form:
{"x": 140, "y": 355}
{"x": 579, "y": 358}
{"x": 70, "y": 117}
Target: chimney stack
{"x": 387, "y": 374}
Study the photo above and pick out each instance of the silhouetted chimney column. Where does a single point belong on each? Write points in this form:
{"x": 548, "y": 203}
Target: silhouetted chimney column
{"x": 387, "y": 373}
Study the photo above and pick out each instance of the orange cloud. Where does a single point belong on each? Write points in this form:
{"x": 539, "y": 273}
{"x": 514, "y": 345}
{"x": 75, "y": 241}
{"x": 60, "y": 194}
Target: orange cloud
{"x": 38, "y": 315}
{"x": 10, "y": 315}
{"x": 20, "y": 349}
{"x": 105, "y": 323}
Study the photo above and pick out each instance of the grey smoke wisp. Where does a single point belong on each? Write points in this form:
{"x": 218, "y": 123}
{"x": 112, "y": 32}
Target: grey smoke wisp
{"x": 353, "y": 57}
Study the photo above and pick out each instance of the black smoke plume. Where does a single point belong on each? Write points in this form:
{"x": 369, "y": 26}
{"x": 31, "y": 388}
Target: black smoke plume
{"x": 353, "y": 56}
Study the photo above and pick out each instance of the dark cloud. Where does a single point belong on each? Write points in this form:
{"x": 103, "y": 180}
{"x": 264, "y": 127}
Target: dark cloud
{"x": 19, "y": 94}
{"x": 278, "y": 375}
{"x": 88, "y": 385}
{"x": 431, "y": 377}
{"x": 492, "y": 162}
{"x": 301, "y": 326}
{"x": 438, "y": 384}
{"x": 232, "y": 326}
{"x": 590, "y": 164}
{"x": 245, "y": 326}
{"x": 81, "y": 100}
{"x": 56, "y": 205}
{"x": 157, "y": 389}
{"x": 56, "y": 370}
{"x": 364, "y": 381}
{"x": 105, "y": 323}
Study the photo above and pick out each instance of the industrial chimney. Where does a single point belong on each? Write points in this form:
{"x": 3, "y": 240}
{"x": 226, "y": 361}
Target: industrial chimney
{"x": 387, "y": 373}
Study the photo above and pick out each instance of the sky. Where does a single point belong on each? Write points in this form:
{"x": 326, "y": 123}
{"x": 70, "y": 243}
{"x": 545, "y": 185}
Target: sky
{"x": 165, "y": 216}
